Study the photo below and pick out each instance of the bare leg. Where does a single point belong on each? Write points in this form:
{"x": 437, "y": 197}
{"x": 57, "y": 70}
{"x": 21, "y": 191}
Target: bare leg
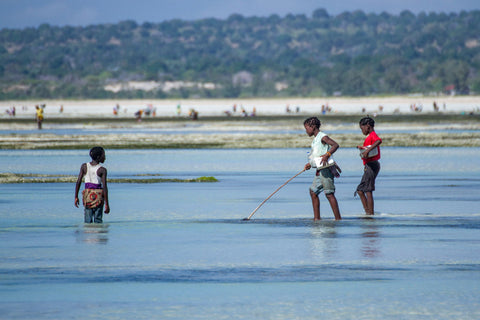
{"x": 364, "y": 200}
{"x": 316, "y": 205}
{"x": 334, "y": 204}
{"x": 367, "y": 201}
{"x": 370, "y": 203}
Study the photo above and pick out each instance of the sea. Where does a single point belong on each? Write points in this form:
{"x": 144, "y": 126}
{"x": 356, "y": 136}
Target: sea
{"x": 179, "y": 250}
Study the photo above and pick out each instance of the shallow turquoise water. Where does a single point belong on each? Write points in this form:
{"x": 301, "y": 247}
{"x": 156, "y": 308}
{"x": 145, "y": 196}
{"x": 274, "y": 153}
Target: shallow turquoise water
{"x": 179, "y": 251}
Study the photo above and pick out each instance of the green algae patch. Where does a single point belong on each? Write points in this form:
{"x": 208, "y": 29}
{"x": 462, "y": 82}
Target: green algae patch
{"x": 8, "y": 177}
{"x": 206, "y": 179}
{"x": 160, "y": 180}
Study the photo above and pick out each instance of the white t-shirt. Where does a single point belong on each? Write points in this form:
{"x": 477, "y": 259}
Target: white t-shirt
{"x": 91, "y": 176}
{"x": 318, "y": 148}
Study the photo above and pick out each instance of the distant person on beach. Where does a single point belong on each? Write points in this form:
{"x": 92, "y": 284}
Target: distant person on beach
{"x": 39, "y": 116}
{"x": 370, "y": 154}
{"x": 11, "y": 112}
{"x": 322, "y": 147}
{"x": 138, "y": 115}
{"x": 244, "y": 112}
{"x": 193, "y": 114}
{"x": 95, "y": 194}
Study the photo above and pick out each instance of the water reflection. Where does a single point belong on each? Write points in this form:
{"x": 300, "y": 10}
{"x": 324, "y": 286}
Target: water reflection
{"x": 93, "y": 233}
{"x": 323, "y": 241}
{"x": 370, "y": 239}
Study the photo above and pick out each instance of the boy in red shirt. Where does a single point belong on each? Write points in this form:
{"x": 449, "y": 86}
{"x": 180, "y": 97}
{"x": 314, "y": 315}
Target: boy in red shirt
{"x": 370, "y": 154}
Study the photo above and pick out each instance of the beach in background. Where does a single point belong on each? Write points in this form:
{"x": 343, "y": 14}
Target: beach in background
{"x": 237, "y": 123}
{"x": 266, "y": 107}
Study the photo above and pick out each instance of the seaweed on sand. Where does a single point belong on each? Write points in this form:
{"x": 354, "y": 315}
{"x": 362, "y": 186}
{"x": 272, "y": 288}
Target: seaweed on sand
{"x": 8, "y": 177}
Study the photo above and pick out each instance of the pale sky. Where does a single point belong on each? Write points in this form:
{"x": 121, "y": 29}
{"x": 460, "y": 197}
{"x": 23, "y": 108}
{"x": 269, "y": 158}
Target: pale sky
{"x": 31, "y": 13}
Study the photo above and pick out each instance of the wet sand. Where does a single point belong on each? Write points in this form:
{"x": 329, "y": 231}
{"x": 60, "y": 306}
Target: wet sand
{"x": 426, "y": 130}
{"x": 201, "y": 141}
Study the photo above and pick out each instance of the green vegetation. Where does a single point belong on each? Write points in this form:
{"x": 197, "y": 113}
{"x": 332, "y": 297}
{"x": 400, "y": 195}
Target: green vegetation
{"x": 352, "y": 53}
{"x": 158, "y": 180}
{"x": 50, "y": 178}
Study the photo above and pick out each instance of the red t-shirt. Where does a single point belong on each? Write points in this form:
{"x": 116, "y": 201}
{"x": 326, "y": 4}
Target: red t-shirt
{"x": 369, "y": 140}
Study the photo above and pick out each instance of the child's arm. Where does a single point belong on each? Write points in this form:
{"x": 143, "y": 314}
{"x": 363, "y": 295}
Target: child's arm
{"x": 83, "y": 171}
{"x": 367, "y": 150}
{"x": 333, "y": 147}
{"x": 102, "y": 172}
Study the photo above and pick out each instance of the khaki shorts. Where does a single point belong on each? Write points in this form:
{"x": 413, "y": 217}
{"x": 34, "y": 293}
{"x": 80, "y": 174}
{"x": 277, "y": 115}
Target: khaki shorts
{"x": 323, "y": 181}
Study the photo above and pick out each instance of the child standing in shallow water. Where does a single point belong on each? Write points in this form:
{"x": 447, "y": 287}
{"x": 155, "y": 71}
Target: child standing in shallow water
{"x": 322, "y": 146}
{"x": 95, "y": 195}
{"x": 370, "y": 154}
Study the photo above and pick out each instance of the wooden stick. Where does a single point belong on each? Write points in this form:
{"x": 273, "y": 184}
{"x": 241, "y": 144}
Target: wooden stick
{"x": 251, "y": 215}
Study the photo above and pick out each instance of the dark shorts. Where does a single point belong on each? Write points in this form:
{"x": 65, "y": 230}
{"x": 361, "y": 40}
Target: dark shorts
{"x": 370, "y": 173}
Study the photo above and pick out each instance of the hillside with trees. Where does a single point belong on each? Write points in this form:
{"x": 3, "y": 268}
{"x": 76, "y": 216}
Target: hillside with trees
{"x": 350, "y": 54}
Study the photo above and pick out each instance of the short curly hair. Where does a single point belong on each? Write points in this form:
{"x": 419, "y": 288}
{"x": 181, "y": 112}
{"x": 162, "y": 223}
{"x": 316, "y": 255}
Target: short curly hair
{"x": 367, "y": 120}
{"x": 96, "y": 153}
{"x": 312, "y": 122}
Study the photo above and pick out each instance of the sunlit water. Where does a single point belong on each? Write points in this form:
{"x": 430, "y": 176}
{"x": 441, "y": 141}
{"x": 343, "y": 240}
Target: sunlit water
{"x": 182, "y": 251}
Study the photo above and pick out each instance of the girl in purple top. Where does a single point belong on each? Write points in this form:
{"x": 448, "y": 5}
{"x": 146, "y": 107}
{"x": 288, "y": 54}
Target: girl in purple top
{"x": 95, "y": 178}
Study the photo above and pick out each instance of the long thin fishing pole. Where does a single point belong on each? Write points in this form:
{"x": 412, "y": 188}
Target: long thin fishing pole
{"x": 261, "y": 204}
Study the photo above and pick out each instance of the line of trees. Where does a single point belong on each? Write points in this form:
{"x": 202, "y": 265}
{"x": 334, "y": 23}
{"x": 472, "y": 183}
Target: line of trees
{"x": 352, "y": 53}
